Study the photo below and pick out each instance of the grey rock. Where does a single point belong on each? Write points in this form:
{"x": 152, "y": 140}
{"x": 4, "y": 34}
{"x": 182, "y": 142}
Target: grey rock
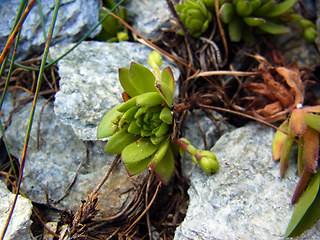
{"x": 191, "y": 131}
{"x": 75, "y": 19}
{"x": 149, "y": 17}
{"x": 246, "y": 199}
{"x": 295, "y": 48}
{"x": 60, "y": 158}
{"x": 89, "y": 85}
{"x": 19, "y": 226}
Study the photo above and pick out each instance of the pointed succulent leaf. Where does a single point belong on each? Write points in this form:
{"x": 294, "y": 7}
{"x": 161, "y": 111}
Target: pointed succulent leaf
{"x": 108, "y": 124}
{"x": 166, "y": 115}
{"x": 128, "y": 116}
{"x": 278, "y": 140}
{"x": 166, "y": 92}
{"x": 134, "y": 128}
{"x": 138, "y": 150}
{"x": 280, "y": 8}
{"x": 126, "y": 83}
{"x": 311, "y": 150}
{"x": 156, "y": 140}
{"x": 254, "y": 21}
{"x": 134, "y": 168}
{"x": 168, "y": 78}
{"x": 119, "y": 141}
{"x": 161, "y": 151}
{"x": 285, "y": 153}
{"x": 142, "y": 78}
{"x": 127, "y": 105}
{"x": 165, "y": 167}
{"x": 297, "y": 122}
{"x": 313, "y": 121}
{"x": 264, "y": 8}
{"x": 307, "y": 210}
{"x": 164, "y": 127}
{"x": 273, "y": 28}
{"x": 300, "y": 162}
{"x": 149, "y": 99}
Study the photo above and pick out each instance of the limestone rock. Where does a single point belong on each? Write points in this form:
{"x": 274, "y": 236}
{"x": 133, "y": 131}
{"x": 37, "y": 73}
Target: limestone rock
{"x": 246, "y": 199}
{"x": 60, "y": 158}
{"x": 72, "y": 23}
{"x": 19, "y": 225}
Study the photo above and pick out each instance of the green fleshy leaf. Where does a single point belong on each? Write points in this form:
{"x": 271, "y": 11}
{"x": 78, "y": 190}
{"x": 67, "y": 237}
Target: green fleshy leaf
{"x": 108, "y": 124}
{"x": 166, "y": 115}
{"x": 134, "y": 168}
{"x": 128, "y": 116}
{"x": 156, "y": 140}
{"x": 280, "y": 8}
{"x": 137, "y": 151}
{"x": 126, "y": 83}
{"x": 273, "y": 28}
{"x": 161, "y": 151}
{"x": 127, "y": 105}
{"x": 162, "y": 130}
{"x": 307, "y": 210}
{"x": 235, "y": 29}
{"x": 149, "y": 99}
{"x": 142, "y": 78}
{"x": 168, "y": 78}
{"x": 119, "y": 141}
{"x": 253, "y": 21}
{"x": 134, "y": 128}
{"x": 165, "y": 92}
{"x": 165, "y": 167}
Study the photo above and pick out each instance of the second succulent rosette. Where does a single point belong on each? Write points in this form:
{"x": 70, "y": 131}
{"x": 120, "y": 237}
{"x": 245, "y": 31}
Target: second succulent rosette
{"x": 140, "y": 127}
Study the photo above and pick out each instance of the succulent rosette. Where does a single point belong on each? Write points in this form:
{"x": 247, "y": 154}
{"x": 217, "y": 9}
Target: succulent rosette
{"x": 195, "y": 16}
{"x": 140, "y": 127}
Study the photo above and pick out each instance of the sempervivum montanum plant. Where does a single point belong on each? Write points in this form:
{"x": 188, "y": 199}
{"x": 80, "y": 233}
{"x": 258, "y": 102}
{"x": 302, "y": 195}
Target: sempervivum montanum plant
{"x": 246, "y": 17}
{"x": 195, "y": 16}
{"x": 140, "y": 128}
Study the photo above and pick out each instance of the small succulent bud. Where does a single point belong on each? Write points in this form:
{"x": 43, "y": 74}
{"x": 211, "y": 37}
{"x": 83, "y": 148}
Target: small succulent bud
{"x": 209, "y": 165}
{"x": 155, "y": 60}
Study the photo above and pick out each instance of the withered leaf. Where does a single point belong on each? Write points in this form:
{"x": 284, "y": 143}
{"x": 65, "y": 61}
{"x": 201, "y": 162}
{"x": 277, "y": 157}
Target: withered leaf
{"x": 297, "y": 122}
{"x": 311, "y": 149}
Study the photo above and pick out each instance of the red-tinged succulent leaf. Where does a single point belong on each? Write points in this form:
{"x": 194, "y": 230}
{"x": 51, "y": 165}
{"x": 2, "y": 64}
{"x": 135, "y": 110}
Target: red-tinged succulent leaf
{"x": 278, "y": 140}
{"x": 301, "y": 186}
{"x": 313, "y": 121}
{"x": 293, "y": 79}
{"x": 142, "y": 78}
{"x": 300, "y": 162}
{"x": 168, "y": 78}
{"x": 166, "y": 92}
{"x": 314, "y": 109}
{"x": 306, "y": 211}
{"x": 297, "y": 122}
{"x": 125, "y": 82}
{"x": 311, "y": 150}
{"x": 285, "y": 153}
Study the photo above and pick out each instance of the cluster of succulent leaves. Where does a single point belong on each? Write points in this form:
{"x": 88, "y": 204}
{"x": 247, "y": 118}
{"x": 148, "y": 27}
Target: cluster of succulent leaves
{"x": 244, "y": 18}
{"x": 195, "y": 16}
{"x": 303, "y": 124}
{"x": 140, "y": 128}
{"x": 111, "y": 29}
